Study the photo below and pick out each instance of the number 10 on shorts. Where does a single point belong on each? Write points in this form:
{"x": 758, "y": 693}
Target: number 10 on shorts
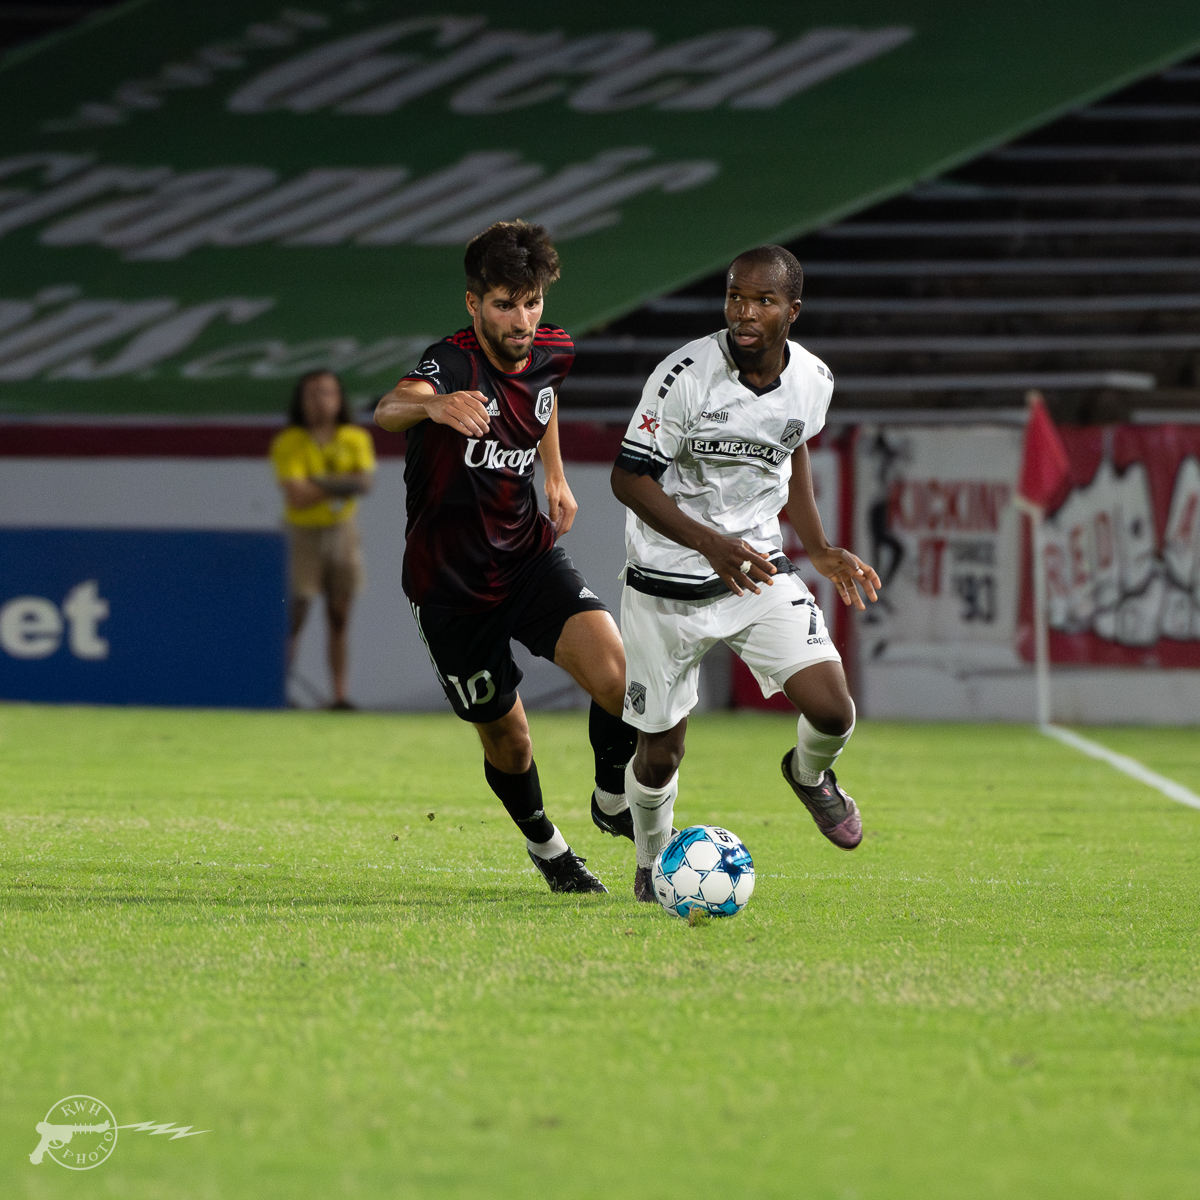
{"x": 479, "y": 689}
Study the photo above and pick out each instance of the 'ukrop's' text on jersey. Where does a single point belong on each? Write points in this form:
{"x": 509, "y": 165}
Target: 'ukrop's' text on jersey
{"x": 722, "y": 451}
{"x": 474, "y": 525}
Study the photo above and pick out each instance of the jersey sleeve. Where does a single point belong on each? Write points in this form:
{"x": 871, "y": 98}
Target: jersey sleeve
{"x": 821, "y": 402}
{"x": 445, "y": 367}
{"x": 562, "y": 351}
{"x": 656, "y": 430}
{"x": 288, "y": 458}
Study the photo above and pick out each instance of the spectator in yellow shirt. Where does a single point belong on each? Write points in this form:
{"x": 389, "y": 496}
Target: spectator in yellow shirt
{"x": 323, "y": 463}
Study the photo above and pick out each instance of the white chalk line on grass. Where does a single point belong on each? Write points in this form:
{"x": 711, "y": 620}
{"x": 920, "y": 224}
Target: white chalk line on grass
{"x": 1124, "y": 764}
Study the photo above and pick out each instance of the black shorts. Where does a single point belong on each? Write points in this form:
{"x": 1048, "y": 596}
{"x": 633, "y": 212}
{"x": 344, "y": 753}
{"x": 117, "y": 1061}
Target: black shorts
{"x": 471, "y": 652}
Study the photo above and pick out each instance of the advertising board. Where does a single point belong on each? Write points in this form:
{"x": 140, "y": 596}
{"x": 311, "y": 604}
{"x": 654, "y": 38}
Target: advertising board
{"x": 142, "y": 617}
{"x": 199, "y": 202}
{"x": 1123, "y": 550}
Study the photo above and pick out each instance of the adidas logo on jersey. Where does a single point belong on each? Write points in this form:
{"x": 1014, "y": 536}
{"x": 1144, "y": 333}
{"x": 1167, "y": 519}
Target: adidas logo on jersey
{"x": 588, "y": 594}
{"x": 493, "y": 408}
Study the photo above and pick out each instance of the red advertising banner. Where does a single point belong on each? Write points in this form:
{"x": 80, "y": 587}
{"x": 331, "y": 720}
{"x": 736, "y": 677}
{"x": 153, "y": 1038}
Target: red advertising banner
{"x": 1123, "y": 551}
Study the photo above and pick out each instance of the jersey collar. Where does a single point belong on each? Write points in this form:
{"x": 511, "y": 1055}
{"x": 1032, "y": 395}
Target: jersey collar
{"x": 723, "y": 342}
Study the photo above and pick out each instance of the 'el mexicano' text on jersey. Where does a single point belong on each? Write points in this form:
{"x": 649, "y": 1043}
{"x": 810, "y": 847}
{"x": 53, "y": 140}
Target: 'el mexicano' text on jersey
{"x": 722, "y": 451}
{"x": 474, "y": 525}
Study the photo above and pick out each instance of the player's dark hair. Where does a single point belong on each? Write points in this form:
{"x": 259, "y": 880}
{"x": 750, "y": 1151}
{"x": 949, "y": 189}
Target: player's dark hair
{"x": 511, "y": 255}
{"x": 782, "y": 260}
{"x": 296, "y": 408}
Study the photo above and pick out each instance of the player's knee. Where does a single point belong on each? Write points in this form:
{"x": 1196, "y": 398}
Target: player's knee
{"x": 610, "y": 694}
{"x": 657, "y": 763}
{"x": 834, "y": 719}
{"x": 512, "y": 754}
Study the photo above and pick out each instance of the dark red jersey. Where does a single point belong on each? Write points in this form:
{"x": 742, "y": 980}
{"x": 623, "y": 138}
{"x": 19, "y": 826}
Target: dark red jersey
{"x": 474, "y": 526}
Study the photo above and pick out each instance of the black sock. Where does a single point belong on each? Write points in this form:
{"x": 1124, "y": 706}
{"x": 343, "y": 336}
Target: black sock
{"x": 521, "y": 795}
{"x": 613, "y": 743}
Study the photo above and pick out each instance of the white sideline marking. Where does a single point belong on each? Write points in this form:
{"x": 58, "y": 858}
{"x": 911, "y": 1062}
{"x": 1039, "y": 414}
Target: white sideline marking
{"x": 1124, "y": 764}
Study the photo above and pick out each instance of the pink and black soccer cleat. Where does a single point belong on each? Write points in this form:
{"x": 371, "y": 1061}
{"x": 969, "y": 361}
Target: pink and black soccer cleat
{"x": 834, "y": 812}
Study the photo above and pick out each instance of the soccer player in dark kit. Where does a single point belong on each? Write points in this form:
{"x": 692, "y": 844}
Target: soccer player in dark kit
{"x": 481, "y": 564}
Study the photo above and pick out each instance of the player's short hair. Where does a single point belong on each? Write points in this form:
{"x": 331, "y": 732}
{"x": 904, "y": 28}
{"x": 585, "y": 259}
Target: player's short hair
{"x": 296, "y": 408}
{"x": 784, "y": 262}
{"x": 511, "y": 255}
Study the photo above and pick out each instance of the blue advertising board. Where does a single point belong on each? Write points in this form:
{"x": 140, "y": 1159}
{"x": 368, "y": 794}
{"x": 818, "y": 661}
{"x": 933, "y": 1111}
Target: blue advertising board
{"x": 143, "y": 617}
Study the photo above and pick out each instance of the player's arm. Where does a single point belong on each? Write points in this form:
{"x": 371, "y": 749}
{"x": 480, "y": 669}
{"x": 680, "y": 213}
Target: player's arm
{"x": 560, "y": 502}
{"x": 845, "y": 569}
{"x": 644, "y": 495}
{"x": 413, "y": 400}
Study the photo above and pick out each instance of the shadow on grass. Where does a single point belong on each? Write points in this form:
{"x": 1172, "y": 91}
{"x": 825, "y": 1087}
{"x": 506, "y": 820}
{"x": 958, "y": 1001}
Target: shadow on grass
{"x": 52, "y": 899}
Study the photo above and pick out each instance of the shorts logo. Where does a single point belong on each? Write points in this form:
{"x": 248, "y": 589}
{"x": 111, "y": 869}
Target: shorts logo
{"x": 588, "y": 594}
{"x": 545, "y": 405}
{"x": 793, "y": 431}
{"x": 637, "y": 698}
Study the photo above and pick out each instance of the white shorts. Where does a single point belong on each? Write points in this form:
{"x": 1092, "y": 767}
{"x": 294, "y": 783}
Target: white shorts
{"x": 776, "y": 633}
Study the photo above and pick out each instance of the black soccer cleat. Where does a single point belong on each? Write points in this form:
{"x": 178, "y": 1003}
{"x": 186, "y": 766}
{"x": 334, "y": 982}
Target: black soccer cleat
{"x": 643, "y": 886}
{"x": 566, "y": 872}
{"x": 619, "y": 824}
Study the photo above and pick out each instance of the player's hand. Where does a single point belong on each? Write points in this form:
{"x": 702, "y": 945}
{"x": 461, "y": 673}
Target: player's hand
{"x": 847, "y": 571}
{"x": 464, "y": 411}
{"x": 728, "y": 555}
{"x": 561, "y": 505}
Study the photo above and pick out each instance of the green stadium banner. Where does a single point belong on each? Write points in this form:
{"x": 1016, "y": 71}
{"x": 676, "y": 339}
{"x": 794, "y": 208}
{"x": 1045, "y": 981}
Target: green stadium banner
{"x": 199, "y": 201}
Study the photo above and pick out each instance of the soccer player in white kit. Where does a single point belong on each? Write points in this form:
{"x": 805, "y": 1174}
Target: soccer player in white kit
{"x": 715, "y": 450}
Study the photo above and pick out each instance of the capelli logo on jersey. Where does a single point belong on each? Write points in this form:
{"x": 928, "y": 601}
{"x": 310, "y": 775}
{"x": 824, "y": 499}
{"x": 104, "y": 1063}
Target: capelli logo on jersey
{"x": 489, "y": 456}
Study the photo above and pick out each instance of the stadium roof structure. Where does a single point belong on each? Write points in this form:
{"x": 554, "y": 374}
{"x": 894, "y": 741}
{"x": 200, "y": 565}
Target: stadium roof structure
{"x": 200, "y": 202}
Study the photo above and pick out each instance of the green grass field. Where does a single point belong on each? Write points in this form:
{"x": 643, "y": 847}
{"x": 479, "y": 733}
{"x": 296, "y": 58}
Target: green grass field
{"x": 249, "y": 923}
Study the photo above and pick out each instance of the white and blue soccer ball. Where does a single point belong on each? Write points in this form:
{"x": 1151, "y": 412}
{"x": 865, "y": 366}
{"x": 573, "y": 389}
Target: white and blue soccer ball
{"x": 705, "y": 867}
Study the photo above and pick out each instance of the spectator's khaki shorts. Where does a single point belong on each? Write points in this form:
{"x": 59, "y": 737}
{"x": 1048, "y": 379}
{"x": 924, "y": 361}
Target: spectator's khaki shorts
{"x": 326, "y": 560}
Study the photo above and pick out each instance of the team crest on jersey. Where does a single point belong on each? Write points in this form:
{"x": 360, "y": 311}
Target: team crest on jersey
{"x": 637, "y": 697}
{"x": 545, "y": 405}
{"x": 793, "y": 431}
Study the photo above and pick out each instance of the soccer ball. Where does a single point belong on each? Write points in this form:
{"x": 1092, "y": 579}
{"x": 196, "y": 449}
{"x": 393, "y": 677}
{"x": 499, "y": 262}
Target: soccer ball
{"x": 705, "y": 867}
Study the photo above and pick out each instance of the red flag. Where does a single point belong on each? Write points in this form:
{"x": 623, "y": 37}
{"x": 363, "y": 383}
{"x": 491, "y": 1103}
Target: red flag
{"x": 1045, "y": 468}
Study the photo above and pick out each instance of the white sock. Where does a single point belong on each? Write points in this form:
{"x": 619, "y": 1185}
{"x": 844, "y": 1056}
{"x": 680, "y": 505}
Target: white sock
{"x": 611, "y": 803}
{"x": 816, "y": 751}
{"x": 552, "y": 849}
{"x": 653, "y": 809}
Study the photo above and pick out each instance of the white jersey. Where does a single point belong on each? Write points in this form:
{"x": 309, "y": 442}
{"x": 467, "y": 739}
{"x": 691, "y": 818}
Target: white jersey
{"x": 722, "y": 452}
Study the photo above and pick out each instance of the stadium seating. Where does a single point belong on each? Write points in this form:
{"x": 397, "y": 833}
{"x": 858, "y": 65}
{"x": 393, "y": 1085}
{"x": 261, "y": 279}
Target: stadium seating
{"x": 1067, "y": 261}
